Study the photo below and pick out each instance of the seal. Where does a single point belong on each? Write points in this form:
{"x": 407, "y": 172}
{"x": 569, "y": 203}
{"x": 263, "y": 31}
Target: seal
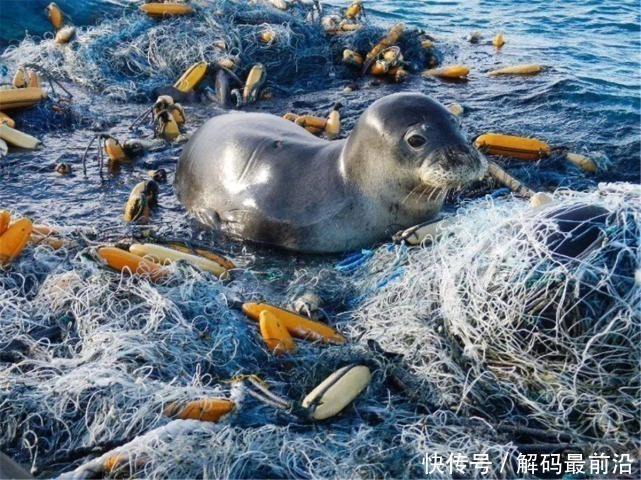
{"x": 264, "y": 179}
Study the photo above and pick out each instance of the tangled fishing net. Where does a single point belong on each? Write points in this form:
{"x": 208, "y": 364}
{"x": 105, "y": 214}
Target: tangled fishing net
{"x": 484, "y": 343}
{"x": 127, "y": 57}
{"x": 492, "y": 322}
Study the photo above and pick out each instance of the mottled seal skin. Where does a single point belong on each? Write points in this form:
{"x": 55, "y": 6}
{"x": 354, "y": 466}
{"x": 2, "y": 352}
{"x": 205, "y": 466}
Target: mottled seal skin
{"x": 262, "y": 178}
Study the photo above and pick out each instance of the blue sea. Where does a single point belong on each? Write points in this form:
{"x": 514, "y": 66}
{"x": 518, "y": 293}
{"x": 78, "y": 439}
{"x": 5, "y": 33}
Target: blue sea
{"x": 587, "y": 100}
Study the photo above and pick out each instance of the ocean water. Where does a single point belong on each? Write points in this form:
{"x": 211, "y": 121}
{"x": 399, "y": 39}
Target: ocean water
{"x": 587, "y": 100}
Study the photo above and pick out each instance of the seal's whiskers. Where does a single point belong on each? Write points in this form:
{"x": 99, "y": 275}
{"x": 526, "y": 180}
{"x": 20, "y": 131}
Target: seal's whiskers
{"x": 411, "y": 192}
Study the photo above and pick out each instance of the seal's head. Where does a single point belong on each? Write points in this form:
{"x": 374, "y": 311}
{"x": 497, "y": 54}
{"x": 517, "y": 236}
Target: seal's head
{"x": 414, "y": 140}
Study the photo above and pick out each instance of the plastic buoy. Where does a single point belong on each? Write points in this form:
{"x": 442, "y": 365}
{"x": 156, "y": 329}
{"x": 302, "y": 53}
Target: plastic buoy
{"x": 498, "y": 41}
{"x": 165, "y": 126}
{"x": 581, "y": 161}
{"x": 54, "y": 15}
{"x": 352, "y": 58}
{"x": 163, "y": 102}
{"x": 399, "y": 74}
{"x": 6, "y": 120}
{"x": 65, "y": 34}
{"x": 116, "y": 465}
{"x": 528, "y": 69}
{"x": 337, "y": 391}
{"x": 53, "y": 242}
{"x": 512, "y": 146}
{"x": 114, "y": 150}
{"x": 453, "y": 71}
{"x": 316, "y": 125}
{"x": 354, "y": 10}
{"x": 219, "y": 259}
{"x": 456, "y": 109}
{"x": 191, "y": 77}
{"x": 136, "y": 209}
{"x": 339, "y": 27}
{"x": 508, "y": 180}
{"x": 178, "y": 112}
{"x": 255, "y": 80}
{"x": 14, "y": 239}
{"x": 307, "y": 122}
{"x": 276, "y": 336}
{"x": 267, "y": 35}
{"x": 159, "y": 10}
{"x": 21, "y": 98}
{"x": 296, "y": 325}
{"x": 390, "y": 38}
{"x": 126, "y": 262}
{"x": 45, "y": 230}
{"x": 333, "y": 125}
{"x": 5, "y": 220}
{"x": 161, "y": 254}
{"x": 33, "y": 81}
{"x": 137, "y": 146}
{"x": 205, "y": 410}
{"x": 19, "y": 79}
{"x": 143, "y": 196}
{"x": 539, "y": 199}
{"x": 227, "y": 62}
{"x": 18, "y": 139}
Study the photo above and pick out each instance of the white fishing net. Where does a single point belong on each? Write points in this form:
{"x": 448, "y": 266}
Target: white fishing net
{"x": 128, "y": 56}
{"x": 491, "y": 320}
{"x": 487, "y": 342}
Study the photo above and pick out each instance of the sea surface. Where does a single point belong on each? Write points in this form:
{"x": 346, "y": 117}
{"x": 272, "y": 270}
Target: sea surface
{"x": 587, "y": 100}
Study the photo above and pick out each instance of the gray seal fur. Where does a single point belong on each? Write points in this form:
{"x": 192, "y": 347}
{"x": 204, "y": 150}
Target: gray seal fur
{"x": 264, "y": 179}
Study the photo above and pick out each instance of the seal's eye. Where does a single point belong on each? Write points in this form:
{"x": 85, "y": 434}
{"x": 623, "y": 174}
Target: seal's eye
{"x": 416, "y": 141}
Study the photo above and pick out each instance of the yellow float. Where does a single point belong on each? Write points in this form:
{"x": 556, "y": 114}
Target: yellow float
{"x": 205, "y": 410}
{"x": 14, "y": 239}
{"x": 512, "y": 146}
{"x": 526, "y": 69}
{"x": 5, "y": 220}
{"x": 129, "y": 263}
{"x": 114, "y": 150}
{"x": 255, "y": 80}
{"x": 21, "y": 98}
{"x": 337, "y": 391}
{"x": 222, "y": 261}
{"x": 54, "y": 15}
{"x": 65, "y": 34}
{"x": 390, "y": 38}
{"x": 191, "y": 77}
{"x": 160, "y": 10}
{"x": 6, "y": 120}
{"x": 508, "y": 180}
{"x": 17, "y": 138}
{"x": 164, "y": 255}
{"x": 19, "y": 79}
{"x": 276, "y": 336}
{"x": 453, "y": 71}
{"x": 296, "y": 325}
